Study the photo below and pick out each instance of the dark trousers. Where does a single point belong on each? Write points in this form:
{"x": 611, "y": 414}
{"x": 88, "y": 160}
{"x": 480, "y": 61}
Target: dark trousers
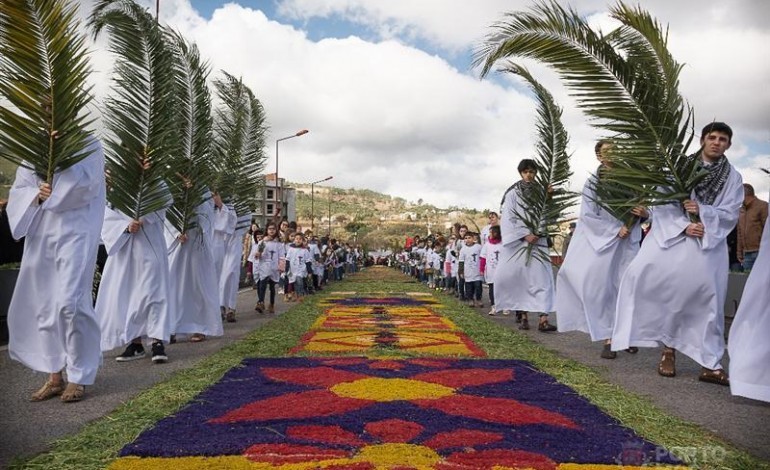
{"x": 473, "y": 290}
{"x": 491, "y": 293}
{"x": 262, "y": 286}
{"x": 461, "y": 289}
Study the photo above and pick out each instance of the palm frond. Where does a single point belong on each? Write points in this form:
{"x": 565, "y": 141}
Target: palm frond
{"x": 626, "y": 82}
{"x": 140, "y": 115}
{"x": 190, "y": 163}
{"x": 44, "y": 71}
{"x": 549, "y": 200}
{"x": 239, "y": 140}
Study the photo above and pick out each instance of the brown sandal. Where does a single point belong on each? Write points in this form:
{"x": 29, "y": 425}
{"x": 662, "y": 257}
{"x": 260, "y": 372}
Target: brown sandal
{"x": 73, "y": 393}
{"x": 667, "y": 365}
{"x": 715, "y": 376}
{"x": 197, "y": 338}
{"x": 48, "y": 390}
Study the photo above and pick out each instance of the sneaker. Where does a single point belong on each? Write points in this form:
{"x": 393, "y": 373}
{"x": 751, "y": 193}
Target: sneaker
{"x": 230, "y": 316}
{"x": 271, "y": 309}
{"x": 158, "y": 353}
{"x": 133, "y": 352}
{"x": 492, "y": 311}
{"x": 260, "y": 307}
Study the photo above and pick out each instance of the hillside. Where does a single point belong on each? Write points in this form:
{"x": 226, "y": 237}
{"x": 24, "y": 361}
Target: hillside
{"x": 374, "y": 219}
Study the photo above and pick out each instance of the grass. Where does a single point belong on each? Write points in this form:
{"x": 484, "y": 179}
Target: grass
{"x": 99, "y": 442}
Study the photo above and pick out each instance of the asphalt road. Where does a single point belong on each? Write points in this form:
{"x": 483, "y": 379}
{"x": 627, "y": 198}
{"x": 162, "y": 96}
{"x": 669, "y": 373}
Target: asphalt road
{"x": 28, "y": 428}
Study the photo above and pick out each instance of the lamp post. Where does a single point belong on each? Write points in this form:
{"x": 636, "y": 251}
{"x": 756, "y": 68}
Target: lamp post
{"x": 330, "y": 215}
{"x": 279, "y": 194}
{"x": 312, "y": 205}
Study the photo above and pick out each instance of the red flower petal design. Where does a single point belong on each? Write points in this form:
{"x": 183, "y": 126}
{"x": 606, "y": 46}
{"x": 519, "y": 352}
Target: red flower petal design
{"x": 496, "y": 410}
{"x": 388, "y": 365}
{"x": 462, "y": 438}
{"x": 497, "y": 458}
{"x": 394, "y": 430}
{"x": 278, "y": 454}
{"x": 466, "y": 377}
{"x": 293, "y": 405}
{"x": 324, "y": 435}
{"x": 314, "y": 376}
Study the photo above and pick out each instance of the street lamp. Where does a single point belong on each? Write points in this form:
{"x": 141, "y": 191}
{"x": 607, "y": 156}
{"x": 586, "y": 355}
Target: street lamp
{"x": 312, "y": 194}
{"x": 329, "y": 235}
{"x": 279, "y": 194}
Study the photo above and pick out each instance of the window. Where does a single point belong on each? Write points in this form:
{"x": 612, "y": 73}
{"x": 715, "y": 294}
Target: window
{"x": 270, "y": 194}
{"x": 270, "y": 209}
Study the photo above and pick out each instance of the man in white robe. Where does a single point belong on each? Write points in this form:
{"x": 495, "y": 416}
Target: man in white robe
{"x": 748, "y": 342}
{"x": 192, "y": 282}
{"x": 673, "y": 292}
{"x": 51, "y": 318}
{"x": 520, "y": 285}
{"x": 224, "y": 225}
{"x": 133, "y": 300}
{"x": 231, "y": 265}
{"x": 588, "y": 279}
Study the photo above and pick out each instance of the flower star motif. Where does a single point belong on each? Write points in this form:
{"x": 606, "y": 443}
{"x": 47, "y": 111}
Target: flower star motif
{"x": 333, "y": 392}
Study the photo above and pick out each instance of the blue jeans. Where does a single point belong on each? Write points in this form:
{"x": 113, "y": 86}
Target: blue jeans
{"x": 749, "y": 257}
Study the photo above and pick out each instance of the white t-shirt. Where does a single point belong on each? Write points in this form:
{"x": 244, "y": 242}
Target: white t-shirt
{"x": 469, "y": 255}
{"x": 491, "y": 252}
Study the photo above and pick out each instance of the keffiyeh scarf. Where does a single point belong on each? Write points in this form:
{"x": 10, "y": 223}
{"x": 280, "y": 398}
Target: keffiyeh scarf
{"x": 712, "y": 184}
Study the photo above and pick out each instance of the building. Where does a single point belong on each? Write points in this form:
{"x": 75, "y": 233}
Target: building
{"x": 269, "y": 205}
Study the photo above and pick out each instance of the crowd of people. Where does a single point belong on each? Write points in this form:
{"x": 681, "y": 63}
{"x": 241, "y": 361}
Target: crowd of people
{"x": 158, "y": 284}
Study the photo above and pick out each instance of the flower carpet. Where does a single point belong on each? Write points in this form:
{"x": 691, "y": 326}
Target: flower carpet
{"x": 384, "y": 381}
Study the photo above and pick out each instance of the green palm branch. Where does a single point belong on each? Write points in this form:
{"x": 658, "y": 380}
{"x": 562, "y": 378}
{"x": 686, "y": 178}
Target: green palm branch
{"x": 44, "y": 73}
{"x": 548, "y": 201}
{"x": 627, "y": 84}
{"x": 140, "y": 117}
{"x": 190, "y": 163}
{"x": 239, "y": 141}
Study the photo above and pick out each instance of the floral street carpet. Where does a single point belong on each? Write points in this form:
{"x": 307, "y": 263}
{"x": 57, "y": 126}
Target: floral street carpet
{"x": 421, "y": 408}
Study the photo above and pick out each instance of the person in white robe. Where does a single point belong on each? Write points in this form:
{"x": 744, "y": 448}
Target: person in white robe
{"x": 673, "y": 292}
{"x": 231, "y": 265}
{"x": 192, "y": 282}
{"x": 522, "y": 286}
{"x": 601, "y": 249}
{"x": 51, "y": 319}
{"x": 224, "y": 225}
{"x": 133, "y": 301}
{"x": 747, "y": 344}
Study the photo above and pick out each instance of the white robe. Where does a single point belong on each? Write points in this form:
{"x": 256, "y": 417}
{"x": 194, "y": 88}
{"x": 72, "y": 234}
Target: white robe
{"x": 233, "y": 260}
{"x": 674, "y": 291}
{"x": 519, "y": 286}
{"x": 588, "y": 280}
{"x": 224, "y": 225}
{"x": 192, "y": 282}
{"x": 51, "y": 319}
{"x": 748, "y": 342}
{"x": 133, "y": 299}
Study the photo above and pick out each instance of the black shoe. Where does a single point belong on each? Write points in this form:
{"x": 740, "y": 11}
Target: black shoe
{"x": 158, "y": 353}
{"x": 133, "y": 352}
{"x": 608, "y": 353}
{"x": 518, "y": 317}
{"x": 545, "y": 327}
{"x": 524, "y": 324}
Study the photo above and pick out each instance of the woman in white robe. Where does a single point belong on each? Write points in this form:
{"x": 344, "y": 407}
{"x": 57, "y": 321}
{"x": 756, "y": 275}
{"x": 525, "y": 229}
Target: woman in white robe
{"x": 588, "y": 280}
{"x": 51, "y": 318}
{"x": 192, "y": 282}
{"x": 748, "y": 342}
{"x": 674, "y": 291}
{"x": 133, "y": 300}
{"x": 519, "y": 285}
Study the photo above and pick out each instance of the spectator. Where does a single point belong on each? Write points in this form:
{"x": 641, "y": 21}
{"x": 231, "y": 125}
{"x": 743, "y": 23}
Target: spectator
{"x": 751, "y": 222}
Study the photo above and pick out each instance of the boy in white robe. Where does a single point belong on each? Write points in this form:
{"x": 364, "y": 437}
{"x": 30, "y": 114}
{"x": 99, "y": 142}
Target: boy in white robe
{"x": 748, "y": 345}
{"x": 133, "y": 300}
{"x": 51, "y": 319}
{"x": 521, "y": 286}
{"x": 192, "y": 282}
{"x": 588, "y": 280}
{"x": 673, "y": 292}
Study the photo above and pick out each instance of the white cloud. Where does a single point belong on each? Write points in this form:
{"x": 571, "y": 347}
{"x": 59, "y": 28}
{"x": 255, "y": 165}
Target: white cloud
{"x": 387, "y": 116}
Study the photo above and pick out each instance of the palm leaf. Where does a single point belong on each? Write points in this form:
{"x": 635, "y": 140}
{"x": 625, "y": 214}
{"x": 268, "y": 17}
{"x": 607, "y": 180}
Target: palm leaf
{"x": 547, "y": 202}
{"x": 627, "y": 84}
{"x": 140, "y": 116}
{"x": 240, "y": 132}
{"x": 191, "y": 176}
{"x": 44, "y": 73}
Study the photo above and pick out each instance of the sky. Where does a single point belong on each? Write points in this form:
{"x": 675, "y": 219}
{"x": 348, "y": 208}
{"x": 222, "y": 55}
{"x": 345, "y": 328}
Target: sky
{"x": 387, "y": 90}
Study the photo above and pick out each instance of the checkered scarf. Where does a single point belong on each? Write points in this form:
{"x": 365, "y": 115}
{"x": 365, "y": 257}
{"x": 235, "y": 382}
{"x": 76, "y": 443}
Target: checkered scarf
{"x": 522, "y": 188}
{"x": 711, "y": 185}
